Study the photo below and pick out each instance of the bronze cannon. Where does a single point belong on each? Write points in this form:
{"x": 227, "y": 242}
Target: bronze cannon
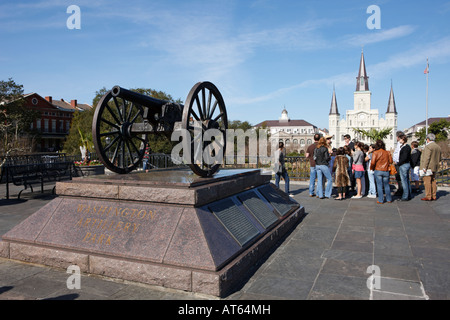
{"x": 123, "y": 120}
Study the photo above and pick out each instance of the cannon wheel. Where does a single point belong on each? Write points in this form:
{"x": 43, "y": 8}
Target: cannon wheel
{"x": 204, "y": 109}
{"x": 118, "y": 148}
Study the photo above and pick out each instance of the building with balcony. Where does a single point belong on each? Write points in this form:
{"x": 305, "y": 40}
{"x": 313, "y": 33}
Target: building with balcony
{"x": 52, "y": 127}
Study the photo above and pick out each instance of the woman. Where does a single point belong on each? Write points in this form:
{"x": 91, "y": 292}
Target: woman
{"x": 415, "y": 163}
{"x": 322, "y": 156}
{"x": 348, "y": 153}
{"x": 281, "y": 171}
{"x": 381, "y": 160}
{"x": 341, "y": 177}
{"x": 358, "y": 168}
{"x": 404, "y": 165}
{"x": 371, "y": 174}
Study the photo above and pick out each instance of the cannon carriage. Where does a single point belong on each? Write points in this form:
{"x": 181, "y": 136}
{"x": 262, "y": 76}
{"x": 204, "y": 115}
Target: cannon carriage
{"x": 123, "y": 120}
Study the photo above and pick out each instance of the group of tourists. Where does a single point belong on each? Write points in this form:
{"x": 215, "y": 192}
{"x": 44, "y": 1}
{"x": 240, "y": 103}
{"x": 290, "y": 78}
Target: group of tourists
{"x": 366, "y": 169}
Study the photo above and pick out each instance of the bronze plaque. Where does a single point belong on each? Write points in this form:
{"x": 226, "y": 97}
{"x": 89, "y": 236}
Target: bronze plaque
{"x": 235, "y": 221}
{"x": 259, "y": 208}
{"x": 282, "y": 204}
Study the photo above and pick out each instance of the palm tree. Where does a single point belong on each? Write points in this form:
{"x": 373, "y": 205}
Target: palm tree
{"x": 374, "y": 134}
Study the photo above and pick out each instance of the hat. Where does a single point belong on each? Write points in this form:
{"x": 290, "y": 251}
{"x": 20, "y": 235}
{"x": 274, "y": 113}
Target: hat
{"x": 328, "y": 137}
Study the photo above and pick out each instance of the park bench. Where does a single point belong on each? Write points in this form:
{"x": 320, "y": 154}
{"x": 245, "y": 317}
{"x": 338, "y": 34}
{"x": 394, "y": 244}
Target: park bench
{"x": 32, "y": 174}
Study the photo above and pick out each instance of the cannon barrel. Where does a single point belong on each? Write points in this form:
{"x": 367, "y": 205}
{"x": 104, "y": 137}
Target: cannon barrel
{"x": 141, "y": 99}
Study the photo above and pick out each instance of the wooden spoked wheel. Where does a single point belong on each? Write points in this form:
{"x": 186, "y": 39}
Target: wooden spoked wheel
{"x": 117, "y": 146}
{"x": 205, "y": 119}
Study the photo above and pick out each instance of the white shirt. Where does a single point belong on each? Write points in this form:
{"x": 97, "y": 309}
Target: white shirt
{"x": 396, "y": 155}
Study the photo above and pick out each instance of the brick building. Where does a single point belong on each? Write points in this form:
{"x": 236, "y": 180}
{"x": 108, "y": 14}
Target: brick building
{"x": 52, "y": 128}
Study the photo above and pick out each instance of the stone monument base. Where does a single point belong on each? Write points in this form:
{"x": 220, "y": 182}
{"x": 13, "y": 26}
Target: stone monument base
{"x": 167, "y": 228}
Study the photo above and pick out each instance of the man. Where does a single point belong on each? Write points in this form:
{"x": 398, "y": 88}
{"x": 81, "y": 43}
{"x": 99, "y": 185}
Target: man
{"x": 312, "y": 165}
{"x": 429, "y": 165}
{"x": 396, "y": 158}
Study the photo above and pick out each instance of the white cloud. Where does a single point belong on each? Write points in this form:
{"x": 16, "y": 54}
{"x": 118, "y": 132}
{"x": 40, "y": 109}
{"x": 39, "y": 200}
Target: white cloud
{"x": 379, "y": 36}
{"x": 438, "y": 51}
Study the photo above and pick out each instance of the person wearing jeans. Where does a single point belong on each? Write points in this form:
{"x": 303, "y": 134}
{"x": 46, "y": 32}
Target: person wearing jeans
{"x": 381, "y": 160}
{"x": 382, "y": 179}
{"x": 406, "y": 184}
{"x": 312, "y": 180}
{"x": 323, "y": 170}
{"x": 312, "y": 165}
{"x": 322, "y": 158}
{"x": 372, "y": 186}
{"x": 404, "y": 165}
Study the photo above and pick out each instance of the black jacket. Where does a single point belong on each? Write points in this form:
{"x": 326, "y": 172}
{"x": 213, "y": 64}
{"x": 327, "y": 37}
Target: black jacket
{"x": 415, "y": 158}
{"x": 322, "y": 156}
{"x": 405, "y": 155}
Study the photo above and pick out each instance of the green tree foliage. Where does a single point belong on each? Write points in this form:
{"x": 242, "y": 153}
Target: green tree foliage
{"x": 374, "y": 134}
{"x": 80, "y": 131}
{"x": 15, "y": 117}
{"x": 439, "y": 128}
{"x": 237, "y": 124}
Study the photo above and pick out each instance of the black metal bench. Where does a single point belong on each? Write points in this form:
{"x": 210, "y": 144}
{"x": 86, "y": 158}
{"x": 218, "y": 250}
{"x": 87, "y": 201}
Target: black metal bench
{"x": 29, "y": 175}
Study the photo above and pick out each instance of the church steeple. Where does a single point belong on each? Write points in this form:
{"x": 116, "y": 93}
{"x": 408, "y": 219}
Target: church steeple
{"x": 362, "y": 81}
{"x": 334, "y": 107}
{"x": 391, "y": 104}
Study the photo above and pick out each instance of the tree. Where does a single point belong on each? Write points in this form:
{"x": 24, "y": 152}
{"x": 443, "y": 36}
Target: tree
{"x": 15, "y": 117}
{"x": 439, "y": 129}
{"x": 80, "y": 131}
{"x": 374, "y": 134}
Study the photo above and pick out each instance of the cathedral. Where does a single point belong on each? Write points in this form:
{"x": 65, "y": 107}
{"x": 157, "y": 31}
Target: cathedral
{"x": 362, "y": 116}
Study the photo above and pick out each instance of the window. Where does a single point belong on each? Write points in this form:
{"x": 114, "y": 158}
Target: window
{"x": 302, "y": 142}
{"x": 309, "y": 141}
{"x": 45, "y": 125}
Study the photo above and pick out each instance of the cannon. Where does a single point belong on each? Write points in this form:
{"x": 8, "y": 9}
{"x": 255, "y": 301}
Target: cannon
{"x": 123, "y": 120}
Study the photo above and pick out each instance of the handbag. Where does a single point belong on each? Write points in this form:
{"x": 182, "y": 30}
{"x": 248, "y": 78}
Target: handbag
{"x": 392, "y": 170}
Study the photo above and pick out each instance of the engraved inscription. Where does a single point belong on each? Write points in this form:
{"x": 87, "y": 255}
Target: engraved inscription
{"x": 101, "y": 224}
{"x": 234, "y": 220}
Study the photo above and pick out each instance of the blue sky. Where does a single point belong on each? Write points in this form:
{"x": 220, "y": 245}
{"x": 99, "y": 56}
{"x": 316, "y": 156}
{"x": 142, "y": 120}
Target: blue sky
{"x": 263, "y": 55}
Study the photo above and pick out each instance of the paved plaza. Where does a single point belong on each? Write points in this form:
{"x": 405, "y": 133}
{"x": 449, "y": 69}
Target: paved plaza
{"x": 329, "y": 255}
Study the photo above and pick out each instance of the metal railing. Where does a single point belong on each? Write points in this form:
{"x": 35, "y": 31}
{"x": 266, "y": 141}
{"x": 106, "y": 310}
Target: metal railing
{"x": 443, "y": 176}
{"x": 298, "y": 167}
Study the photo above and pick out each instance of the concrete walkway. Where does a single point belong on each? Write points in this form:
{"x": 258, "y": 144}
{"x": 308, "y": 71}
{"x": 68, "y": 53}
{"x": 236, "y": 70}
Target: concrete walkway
{"x": 327, "y": 256}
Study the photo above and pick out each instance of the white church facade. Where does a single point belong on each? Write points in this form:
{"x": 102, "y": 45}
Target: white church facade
{"x": 362, "y": 116}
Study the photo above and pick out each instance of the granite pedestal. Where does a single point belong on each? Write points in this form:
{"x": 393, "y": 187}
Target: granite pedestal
{"x": 167, "y": 227}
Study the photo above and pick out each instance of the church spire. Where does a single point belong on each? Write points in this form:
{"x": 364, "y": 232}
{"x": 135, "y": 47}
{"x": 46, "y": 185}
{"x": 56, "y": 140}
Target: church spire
{"x": 362, "y": 81}
{"x": 334, "y": 107}
{"x": 391, "y": 104}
